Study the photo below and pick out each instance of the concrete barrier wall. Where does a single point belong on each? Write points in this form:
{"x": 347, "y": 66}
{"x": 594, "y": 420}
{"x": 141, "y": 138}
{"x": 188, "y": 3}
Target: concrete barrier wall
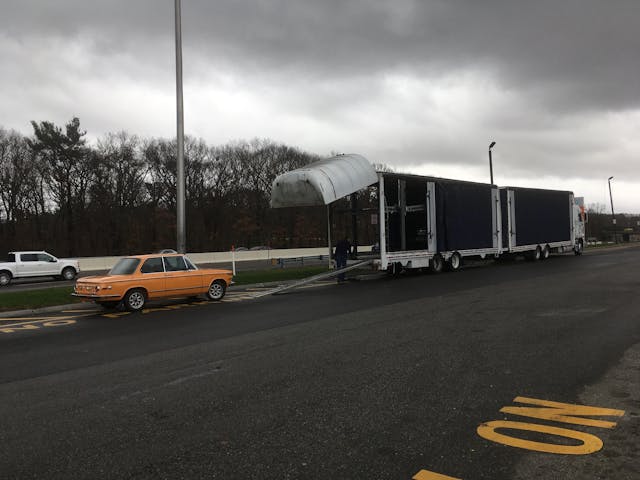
{"x": 105, "y": 263}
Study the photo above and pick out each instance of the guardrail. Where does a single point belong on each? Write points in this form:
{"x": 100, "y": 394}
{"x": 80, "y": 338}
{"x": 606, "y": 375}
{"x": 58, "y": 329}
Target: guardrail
{"x": 105, "y": 263}
{"x": 284, "y": 261}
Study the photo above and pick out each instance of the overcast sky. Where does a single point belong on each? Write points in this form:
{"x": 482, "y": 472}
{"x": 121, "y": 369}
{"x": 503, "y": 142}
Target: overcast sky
{"x": 423, "y": 86}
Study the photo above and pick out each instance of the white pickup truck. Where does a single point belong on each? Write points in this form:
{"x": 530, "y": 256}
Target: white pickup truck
{"x": 36, "y": 264}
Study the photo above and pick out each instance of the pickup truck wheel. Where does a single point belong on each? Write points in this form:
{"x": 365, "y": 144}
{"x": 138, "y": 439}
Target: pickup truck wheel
{"x": 437, "y": 263}
{"x": 216, "y": 290}
{"x": 134, "y": 300}
{"x": 68, "y": 273}
{"x": 5, "y": 279}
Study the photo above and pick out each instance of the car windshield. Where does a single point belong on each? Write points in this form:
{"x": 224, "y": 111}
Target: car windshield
{"x": 125, "y": 266}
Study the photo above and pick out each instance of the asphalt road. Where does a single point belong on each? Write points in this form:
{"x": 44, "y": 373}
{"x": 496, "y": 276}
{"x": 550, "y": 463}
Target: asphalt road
{"x": 384, "y": 379}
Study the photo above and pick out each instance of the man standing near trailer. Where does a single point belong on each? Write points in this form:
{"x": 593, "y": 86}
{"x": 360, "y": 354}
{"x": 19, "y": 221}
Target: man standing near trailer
{"x": 342, "y": 252}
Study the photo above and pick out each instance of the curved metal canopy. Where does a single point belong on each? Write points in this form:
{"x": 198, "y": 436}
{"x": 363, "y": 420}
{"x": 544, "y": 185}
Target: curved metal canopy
{"x": 323, "y": 182}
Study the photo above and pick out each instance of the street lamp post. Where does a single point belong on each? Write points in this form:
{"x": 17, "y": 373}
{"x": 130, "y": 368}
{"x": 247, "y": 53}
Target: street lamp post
{"x": 491, "y": 145}
{"x": 180, "y": 180}
{"x": 613, "y": 215}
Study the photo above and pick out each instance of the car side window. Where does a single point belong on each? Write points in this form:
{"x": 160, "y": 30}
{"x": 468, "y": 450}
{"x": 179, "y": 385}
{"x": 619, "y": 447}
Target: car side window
{"x": 43, "y": 257}
{"x": 175, "y": 264}
{"x": 152, "y": 265}
{"x": 28, "y": 257}
{"x": 190, "y": 266}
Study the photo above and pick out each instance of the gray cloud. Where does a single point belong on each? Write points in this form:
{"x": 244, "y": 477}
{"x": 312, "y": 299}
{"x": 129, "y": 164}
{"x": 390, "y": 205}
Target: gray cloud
{"x": 573, "y": 55}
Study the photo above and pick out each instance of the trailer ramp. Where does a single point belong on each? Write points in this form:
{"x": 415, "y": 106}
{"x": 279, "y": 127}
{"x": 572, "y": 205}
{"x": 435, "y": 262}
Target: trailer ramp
{"x": 314, "y": 278}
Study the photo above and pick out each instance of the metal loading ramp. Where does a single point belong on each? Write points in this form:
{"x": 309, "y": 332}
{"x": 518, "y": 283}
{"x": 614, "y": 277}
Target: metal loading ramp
{"x": 315, "y": 278}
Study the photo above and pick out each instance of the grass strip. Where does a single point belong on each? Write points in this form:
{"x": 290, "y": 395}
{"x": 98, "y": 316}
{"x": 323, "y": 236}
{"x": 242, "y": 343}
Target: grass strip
{"x": 42, "y": 297}
{"x": 47, "y": 297}
{"x": 276, "y": 275}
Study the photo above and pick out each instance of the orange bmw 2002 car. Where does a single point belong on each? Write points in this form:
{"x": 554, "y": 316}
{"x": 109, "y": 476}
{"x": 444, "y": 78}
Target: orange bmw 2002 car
{"x": 136, "y": 279}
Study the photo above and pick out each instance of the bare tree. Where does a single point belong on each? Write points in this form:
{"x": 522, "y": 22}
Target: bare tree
{"x": 68, "y": 169}
{"x": 16, "y": 170}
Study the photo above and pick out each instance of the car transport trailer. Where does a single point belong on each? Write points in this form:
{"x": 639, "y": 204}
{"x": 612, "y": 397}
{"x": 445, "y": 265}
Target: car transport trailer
{"x": 435, "y": 223}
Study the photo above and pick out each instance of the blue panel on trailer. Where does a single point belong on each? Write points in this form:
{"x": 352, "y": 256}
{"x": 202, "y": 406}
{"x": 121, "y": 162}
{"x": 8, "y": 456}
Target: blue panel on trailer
{"x": 464, "y": 212}
{"x": 542, "y": 216}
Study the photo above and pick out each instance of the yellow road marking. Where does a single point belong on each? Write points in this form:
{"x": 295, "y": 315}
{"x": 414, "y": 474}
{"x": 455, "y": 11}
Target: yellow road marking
{"x": 564, "y": 412}
{"x": 590, "y": 443}
{"x": 115, "y": 314}
{"x": 27, "y": 320}
{"x": 554, "y": 412}
{"x": 37, "y": 324}
{"x": 427, "y": 475}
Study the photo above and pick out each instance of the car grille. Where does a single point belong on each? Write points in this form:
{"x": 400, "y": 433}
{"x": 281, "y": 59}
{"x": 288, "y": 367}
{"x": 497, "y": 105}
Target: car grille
{"x": 86, "y": 289}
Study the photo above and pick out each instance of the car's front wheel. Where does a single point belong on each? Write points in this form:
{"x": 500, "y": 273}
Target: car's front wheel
{"x": 134, "y": 300}
{"x": 216, "y": 290}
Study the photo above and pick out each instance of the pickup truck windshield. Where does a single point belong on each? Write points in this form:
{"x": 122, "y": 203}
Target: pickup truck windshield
{"x": 125, "y": 266}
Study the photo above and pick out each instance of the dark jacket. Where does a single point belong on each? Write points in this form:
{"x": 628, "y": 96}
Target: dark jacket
{"x": 343, "y": 248}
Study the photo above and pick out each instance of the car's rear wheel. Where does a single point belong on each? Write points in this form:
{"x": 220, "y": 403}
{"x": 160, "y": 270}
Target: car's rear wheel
{"x": 216, "y": 290}
{"x": 134, "y": 300}
{"x": 68, "y": 273}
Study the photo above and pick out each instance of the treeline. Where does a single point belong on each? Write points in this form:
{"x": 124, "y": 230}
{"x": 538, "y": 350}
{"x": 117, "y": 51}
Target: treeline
{"x": 119, "y": 196}
{"x": 600, "y": 226}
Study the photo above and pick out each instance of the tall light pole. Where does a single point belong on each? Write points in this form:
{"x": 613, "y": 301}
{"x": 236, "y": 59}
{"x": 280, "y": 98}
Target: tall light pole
{"x": 491, "y": 145}
{"x": 613, "y": 215}
{"x": 180, "y": 221}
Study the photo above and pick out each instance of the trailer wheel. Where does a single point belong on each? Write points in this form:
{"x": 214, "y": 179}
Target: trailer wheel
{"x": 535, "y": 255}
{"x": 394, "y": 269}
{"x": 437, "y": 263}
{"x": 455, "y": 262}
{"x": 546, "y": 251}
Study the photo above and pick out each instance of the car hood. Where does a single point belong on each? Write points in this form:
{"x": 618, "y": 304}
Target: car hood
{"x": 99, "y": 279}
